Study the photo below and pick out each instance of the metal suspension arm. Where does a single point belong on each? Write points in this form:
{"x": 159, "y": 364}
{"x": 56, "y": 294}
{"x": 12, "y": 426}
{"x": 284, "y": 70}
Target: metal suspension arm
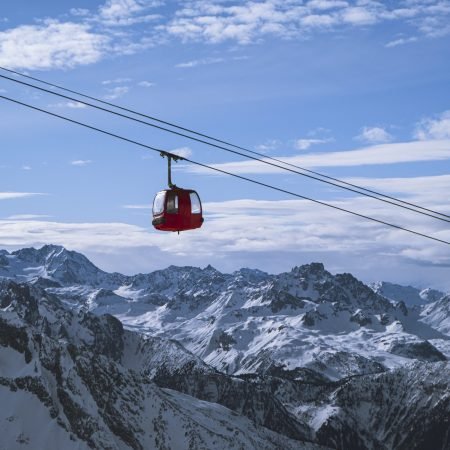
{"x": 169, "y": 157}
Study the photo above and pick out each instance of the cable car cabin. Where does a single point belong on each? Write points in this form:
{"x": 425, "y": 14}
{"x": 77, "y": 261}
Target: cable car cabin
{"x": 177, "y": 209}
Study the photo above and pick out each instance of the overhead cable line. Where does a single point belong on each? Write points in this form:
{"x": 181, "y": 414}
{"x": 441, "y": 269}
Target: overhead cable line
{"x": 131, "y": 141}
{"x": 445, "y": 218}
{"x": 353, "y": 187}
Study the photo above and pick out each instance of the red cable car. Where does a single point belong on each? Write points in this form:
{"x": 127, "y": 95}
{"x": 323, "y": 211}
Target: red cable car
{"x": 176, "y": 209}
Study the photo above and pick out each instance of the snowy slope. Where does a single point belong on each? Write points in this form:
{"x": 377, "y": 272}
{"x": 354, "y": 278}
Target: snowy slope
{"x": 250, "y": 321}
{"x": 72, "y": 380}
{"x": 409, "y": 295}
{"x": 242, "y": 360}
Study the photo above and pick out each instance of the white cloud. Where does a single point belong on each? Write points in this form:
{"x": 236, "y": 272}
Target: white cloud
{"x": 374, "y": 135}
{"x": 216, "y": 23}
{"x": 423, "y": 191}
{"x": 249, "y": 21}
{"x": 73, "y": 235}
{"x": 76, "y": 105}
{"x": 304, "y": 144}
{"x": 80, "y": 12}
{"x": 390, "y": 153}
{"x": 26, "y": 167}
{"x": 434, "y": 128}
{"x": 116, "y": 81}
{"x": 127, "y": 12}
{"x": 116, "y": 92}
{"x": 200, "y": 62}
{"x": 184, "y": 152}
{"x": 27, "y": 217}
{"x": 326, "y": 4}
{"x": 360, "y": 15}
{"x": 148, "y": 207}
{"x": 115, "y": 9}
{"x": 93, "y": 35}
{"x": 81, "y": 162}
{"x": 269, "y": 145}
{"x": 270, "y": 235}
{"x": 146, "y": 84}
{"x": 72, "y": 105}
{"x": 401, "y": 41}
{"x": 318, "y": 21}
{"x": 12, "y": 195}
{"x": 86, "y": 39}
{"x": 51, "y": 45}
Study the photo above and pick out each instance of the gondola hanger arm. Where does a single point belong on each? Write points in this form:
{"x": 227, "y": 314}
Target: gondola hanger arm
{"x": 169, "y": 157}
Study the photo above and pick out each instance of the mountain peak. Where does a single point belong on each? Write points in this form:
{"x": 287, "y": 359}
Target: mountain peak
{"x": 210, "y": 268}
{"x": 314, "y": 268}
{"x": 55, "y": 262}
{"x": 410, "y": 295}
{"x": 41, "y": 254}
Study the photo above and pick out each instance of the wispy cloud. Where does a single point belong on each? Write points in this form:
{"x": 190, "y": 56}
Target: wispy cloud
{"x": 81, "y": 162}
{"x": 184, "y": 152}
{"x": 116, "y": 81}
{"x": 401, "y": 41}
{"x": 27, "y": 217}
{"x": 422, "y": 190}
{"x": 324, "y": 5}
{"x": 128, "y": 12}
{"x": 389, "y": 153}
{"x": 304, "y": 144}
{"x": 116, "y": 92}
{"x": 71, "y": 105}
{"x": 147, "y": 207}
{"x": 374, "y": 135}
{"x": 146, "y": 84}
{"x": 13, "y": 195}
{"x": 80, "y": 12}
{"x": 269, "y": 145}
{"x": 200, "y": 62}
{"x": 278, "y": 233}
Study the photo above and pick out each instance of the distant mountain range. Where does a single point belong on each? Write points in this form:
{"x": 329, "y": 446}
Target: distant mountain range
{"x": 199, "y": 359}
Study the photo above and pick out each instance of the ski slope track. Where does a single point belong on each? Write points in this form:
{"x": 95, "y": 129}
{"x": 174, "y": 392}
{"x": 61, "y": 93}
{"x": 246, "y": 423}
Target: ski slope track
{"x": 189, "y": 358}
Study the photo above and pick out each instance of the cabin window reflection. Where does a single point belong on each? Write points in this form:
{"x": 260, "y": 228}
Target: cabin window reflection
{"x": 196, "y": 207}
{"x": 172, "y": 203}
{"x": 158, "y": 203}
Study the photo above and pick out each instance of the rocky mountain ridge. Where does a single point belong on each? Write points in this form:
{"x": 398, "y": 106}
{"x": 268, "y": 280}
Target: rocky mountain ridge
{"x": 409, "y": 295}
{"x": 249, "y": 321}
{"x": 295, "y": 360}
{"x": 93, "y": 385}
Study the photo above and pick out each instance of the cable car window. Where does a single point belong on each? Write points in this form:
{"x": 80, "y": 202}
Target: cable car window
{"x": 158, "y": 203}
{"x": 172, "y": 203}
{"x": 196, "y": 207}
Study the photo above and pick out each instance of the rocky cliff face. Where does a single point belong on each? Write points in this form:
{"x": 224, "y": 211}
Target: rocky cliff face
{"x": 242, "y": 360}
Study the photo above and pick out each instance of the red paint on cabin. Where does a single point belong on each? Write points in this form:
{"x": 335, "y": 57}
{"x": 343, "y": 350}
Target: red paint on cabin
{"x": 177, "y": 209}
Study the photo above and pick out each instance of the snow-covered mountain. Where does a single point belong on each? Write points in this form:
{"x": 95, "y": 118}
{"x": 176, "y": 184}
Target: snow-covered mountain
{"x": 409, "y": 295}
{"x": 250, "y": 321}
{"x": 304, "y": 356}
{"x": 76, "y": 381}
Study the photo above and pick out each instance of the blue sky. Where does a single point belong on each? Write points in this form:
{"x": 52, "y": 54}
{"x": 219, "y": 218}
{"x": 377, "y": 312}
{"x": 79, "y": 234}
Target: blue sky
{"x": 355, "y": 89}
